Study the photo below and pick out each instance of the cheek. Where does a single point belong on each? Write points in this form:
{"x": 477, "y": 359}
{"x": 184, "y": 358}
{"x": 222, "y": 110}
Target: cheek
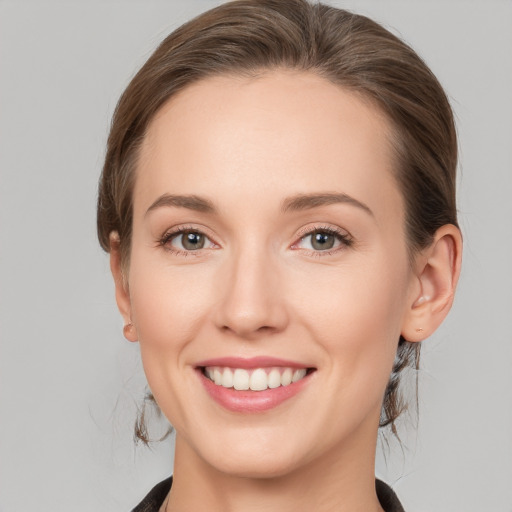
{"x": 355, "y": 313}
{"x": 168, "y": 306}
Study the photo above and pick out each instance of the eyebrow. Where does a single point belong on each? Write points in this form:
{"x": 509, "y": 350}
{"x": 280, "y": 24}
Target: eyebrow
{"x": 294, "y": 203}
{"x": 309, "y": 201}
{"x": 191, "y": 202}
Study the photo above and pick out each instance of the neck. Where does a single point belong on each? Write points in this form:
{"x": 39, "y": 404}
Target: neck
{"x": 343, "y": 481}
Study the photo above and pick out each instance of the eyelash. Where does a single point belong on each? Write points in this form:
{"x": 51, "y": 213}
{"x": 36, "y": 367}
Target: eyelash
{"x": 181, "y": 230}
{"x": 343, "y": 237}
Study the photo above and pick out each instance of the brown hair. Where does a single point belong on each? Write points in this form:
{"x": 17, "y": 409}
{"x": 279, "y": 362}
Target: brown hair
{"x": 245, "y": 37}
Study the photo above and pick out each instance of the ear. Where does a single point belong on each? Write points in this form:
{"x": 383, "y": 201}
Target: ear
{"x": 436, "y": 273}
{"x": 121, "y": 286}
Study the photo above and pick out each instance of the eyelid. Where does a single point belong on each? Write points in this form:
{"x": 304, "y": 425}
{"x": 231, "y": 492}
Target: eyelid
{"x": 311, "y": 228}
{"x": 343, "y": 235}
{"x": 174, "y": 231}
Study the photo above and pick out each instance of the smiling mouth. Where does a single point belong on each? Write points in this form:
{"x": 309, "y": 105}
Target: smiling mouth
{"x": 257, "y": 379}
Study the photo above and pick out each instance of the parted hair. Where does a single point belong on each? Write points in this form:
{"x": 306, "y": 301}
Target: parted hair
{"x": 247, "y": 37}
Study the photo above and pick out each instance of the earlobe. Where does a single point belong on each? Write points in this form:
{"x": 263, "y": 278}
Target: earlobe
{"x": 121, "y": 288}
{"x": 436, "y": 275}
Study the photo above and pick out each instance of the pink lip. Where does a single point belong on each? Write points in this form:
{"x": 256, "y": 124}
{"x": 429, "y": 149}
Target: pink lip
{"x": 250, "y": 401}
{"x": 249, "y": 363}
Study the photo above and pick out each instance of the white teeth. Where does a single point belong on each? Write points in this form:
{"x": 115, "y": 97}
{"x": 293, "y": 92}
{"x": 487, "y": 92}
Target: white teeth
{"x": 241, "y": 379}
{"x": 258, "y": 379}
{"x": 227, "y": 378}
{"x": 274, "y": 378}
{"x": 299, "y": 374}
{"x": 286, "y": 377}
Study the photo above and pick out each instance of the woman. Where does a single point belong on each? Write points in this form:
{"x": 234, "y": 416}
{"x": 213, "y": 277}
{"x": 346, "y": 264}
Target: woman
{"x": 278, "y": 201}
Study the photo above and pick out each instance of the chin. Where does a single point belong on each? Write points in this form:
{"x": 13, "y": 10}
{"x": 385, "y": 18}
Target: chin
{"x": 275, "y": 466}
{"x": 256, "y": 454}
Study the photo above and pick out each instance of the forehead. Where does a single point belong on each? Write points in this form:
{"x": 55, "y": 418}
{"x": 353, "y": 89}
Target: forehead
{"x": 280, "y": 132}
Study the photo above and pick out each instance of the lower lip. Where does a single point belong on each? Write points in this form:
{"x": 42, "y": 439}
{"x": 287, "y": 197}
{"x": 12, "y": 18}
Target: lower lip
{"x": 251, "y": 401}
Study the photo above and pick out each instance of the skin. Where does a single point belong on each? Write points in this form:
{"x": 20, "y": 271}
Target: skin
{"x": 259, "y": 287}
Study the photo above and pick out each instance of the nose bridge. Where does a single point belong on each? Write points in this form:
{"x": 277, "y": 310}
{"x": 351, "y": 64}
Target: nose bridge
{"x": 252, "y": 302}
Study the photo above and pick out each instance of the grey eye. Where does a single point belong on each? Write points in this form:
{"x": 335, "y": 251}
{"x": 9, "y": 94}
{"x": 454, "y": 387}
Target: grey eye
{"x": 321, "y": 240}
{"x": 189, "y": 241}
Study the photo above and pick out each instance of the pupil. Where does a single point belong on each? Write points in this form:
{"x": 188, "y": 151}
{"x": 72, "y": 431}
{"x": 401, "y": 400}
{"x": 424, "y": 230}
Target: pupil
{"x": 322, "y": 241}
{"x": 193, "y": 241}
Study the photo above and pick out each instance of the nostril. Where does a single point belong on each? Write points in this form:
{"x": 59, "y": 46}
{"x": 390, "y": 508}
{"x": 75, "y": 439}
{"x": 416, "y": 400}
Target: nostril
{"x": 247, "y": 331}
{"x": 266, "y": 328}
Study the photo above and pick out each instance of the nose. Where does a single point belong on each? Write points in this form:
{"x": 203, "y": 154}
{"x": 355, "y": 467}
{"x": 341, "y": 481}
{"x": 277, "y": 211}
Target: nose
{"x": 252, "y": 301}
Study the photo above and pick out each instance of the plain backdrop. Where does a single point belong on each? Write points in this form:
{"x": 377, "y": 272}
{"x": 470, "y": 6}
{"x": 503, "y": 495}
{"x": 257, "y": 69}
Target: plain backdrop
{"x": 69, "y": 383}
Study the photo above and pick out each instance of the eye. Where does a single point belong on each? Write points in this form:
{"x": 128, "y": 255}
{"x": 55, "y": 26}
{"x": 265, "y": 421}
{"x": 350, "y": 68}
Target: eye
{"x": 190, "y": 241}
{"x": 323, "y": 239}
{"x": 186, "y": 240}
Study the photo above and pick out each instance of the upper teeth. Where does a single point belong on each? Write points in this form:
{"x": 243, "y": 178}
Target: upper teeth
{"x": 258, "y": 379}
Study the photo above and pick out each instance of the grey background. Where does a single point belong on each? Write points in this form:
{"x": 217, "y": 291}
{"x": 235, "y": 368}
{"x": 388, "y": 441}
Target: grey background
{"x": 70, "y": 384}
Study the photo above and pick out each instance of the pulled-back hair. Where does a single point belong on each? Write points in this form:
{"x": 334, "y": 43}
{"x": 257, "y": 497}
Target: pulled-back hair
{"x": 246, "y": 37}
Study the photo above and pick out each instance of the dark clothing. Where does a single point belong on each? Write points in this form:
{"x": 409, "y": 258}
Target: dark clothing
{"x": 153, "y": 501}
{"x": 387, "y": 497}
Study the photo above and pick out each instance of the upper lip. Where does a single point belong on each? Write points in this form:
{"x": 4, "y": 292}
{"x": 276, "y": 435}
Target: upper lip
{"x": 251, "y": 362}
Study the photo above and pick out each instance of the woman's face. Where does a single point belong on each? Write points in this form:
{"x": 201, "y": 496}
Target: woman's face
{"x": 268, "y": 245}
